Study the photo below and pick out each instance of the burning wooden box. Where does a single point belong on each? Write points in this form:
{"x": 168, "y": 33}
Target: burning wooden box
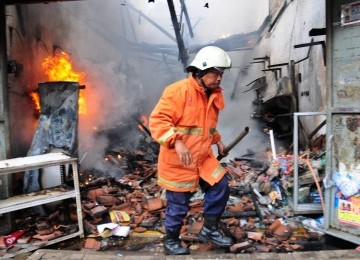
{"x": 57, "y": 128}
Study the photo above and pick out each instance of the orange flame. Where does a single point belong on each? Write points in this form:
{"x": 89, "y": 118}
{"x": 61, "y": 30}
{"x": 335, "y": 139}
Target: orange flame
{"x": 59, "y": 68}
{"x": 35, "y": 97}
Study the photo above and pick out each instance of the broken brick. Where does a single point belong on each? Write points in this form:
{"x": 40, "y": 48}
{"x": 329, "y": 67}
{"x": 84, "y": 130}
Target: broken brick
{"x": 107, "y": 200}
{"x": 189, "y": 238}
{"x": 152, "y": 204}
{"x": 240, "y": 246}
{"x": 257, "y": 236}
{"x": 91, "y": 243}
{"x": 98, "y": 211}
{"x": 282, "y": 232}
{"x": 238, "y": 233}
{"x": 89, "y": 205}
{"x": 231, "y": 221}
{"x": 274, "y": 225}
{"x": 92, "y": 194}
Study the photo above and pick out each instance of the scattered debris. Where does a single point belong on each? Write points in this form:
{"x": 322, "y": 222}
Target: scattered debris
{"x": 115, "y": 210}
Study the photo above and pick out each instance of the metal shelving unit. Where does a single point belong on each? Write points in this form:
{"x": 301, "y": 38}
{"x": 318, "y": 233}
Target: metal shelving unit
{"x": 301, "y": 208}
{"x": 45, "y": 196}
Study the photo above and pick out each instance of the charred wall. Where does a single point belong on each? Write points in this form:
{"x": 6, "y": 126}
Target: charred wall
{"x": 298, "y": 73}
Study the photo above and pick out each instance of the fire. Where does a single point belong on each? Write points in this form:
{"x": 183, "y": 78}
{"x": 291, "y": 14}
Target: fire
{"x": 59, "y": 68}
{"x": 35, "y": 97}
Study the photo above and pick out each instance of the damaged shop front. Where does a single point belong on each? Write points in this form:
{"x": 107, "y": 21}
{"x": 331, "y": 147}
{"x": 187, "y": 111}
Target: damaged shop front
{"x": 323, "y": 149}
{"x": 287, "y": 199}
{"x": 126, "y": 213}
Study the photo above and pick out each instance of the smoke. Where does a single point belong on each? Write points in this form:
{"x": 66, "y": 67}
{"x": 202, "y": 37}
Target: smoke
{"x": 112, "y": 42}
{"x": 238, "y": 112}
{"x": 221, "y": 19}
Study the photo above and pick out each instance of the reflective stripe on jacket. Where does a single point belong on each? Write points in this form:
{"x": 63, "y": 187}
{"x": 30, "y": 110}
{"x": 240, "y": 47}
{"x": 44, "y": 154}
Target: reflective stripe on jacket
{"x": 184, "y": 112}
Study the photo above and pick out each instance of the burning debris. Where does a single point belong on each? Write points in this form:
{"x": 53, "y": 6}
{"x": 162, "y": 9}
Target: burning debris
{"x": 59, "y": 102}
{"x": 57, "y": 126}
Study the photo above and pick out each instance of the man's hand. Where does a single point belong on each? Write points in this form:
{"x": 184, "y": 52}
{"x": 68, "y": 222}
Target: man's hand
{"x": 183, "y": 152}
{"x": 221, "y": 148}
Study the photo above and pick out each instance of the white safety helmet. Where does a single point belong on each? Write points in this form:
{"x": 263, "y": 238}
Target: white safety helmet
{"x": 210, "y": 57}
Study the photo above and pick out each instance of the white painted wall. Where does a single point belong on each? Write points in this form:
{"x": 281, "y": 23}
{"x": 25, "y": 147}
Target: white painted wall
{"x": 292, "y": 28}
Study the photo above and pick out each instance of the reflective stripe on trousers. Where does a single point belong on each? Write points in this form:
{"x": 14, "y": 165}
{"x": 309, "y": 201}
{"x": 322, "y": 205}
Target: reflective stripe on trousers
{"x": 215, "y": 200}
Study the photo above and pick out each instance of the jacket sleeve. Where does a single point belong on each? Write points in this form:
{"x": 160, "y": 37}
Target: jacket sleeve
{"x": 164, "y": 116}
{"x": 219, "y": 103}
{"x": 216, "y": 137}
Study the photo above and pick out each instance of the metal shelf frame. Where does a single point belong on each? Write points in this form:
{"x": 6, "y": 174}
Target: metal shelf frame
{"x": 35, "y": 199}
{"x": 303, "y": 208}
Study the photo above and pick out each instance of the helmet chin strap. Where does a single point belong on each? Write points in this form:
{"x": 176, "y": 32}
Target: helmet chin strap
{"x": 203, "y": 84}
{"x": 207, "y": 90}
{"x": 199, "y": 76}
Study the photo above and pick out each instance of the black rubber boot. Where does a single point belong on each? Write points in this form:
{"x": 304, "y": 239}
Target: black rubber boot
{"x": 172, "y": 244}
{"x": 210, "y": 232}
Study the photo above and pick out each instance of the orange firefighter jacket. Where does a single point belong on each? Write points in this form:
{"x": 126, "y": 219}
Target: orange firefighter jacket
{"x": 184, "y": 112}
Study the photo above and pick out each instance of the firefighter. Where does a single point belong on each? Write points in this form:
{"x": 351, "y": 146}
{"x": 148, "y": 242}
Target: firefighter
{"x": 184, "y": 123}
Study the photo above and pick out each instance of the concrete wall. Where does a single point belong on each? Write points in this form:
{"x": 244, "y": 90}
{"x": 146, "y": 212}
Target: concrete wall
{"x": 292, "y": 28}
{"x": 288, "y": 27}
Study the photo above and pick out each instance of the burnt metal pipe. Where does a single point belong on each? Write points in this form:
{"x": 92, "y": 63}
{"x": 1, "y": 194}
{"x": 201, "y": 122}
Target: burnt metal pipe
{"x": 261, "y": 60}
{"x": 277, "y": 77}
{"x": 152, "y": 22}
{"x": 188, "y": 22}
{"x": 234, "y": 142}
{"x": 317, "y": 31}
{"x": 311, "y": 135}
{"x": 183, "y": 56}
{"x": 275, "y": 70}
{"x": 294, "y": 88}
{"x": 143, "y": 126}
{"x": 310, "y": 44}
{"x": 278, "y": 65}
{"x": 277, "y": 16}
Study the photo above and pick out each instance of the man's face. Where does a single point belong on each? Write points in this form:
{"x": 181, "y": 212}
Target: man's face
{"x": 212, "y": 79}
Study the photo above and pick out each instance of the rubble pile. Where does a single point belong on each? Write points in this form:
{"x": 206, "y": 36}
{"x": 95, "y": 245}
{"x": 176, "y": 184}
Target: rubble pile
{"x": 257, "y": 216}
{"x": 256, "y": 222}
